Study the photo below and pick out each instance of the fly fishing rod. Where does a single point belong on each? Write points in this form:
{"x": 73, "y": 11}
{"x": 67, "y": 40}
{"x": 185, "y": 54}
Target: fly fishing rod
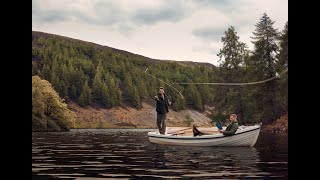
{"x": 164, "y": 83}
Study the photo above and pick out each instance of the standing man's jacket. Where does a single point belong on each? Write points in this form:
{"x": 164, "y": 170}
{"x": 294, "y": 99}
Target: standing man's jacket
{"x": 231, "y": 129}
{"x": 162, "y": 104}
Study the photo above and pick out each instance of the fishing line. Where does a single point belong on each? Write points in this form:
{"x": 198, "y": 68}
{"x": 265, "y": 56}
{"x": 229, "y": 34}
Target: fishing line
{"x": 165, "y": 83}
{"x": 240, "y": 84}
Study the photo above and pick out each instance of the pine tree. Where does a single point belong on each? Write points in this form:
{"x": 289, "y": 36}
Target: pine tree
{"x": 85, "y": 97}
{"x": 135, "y": 99}
{"x": 177, "y": 103}
{"x": 282, "y": 65}
{"x": 100, "y": 89}
{"x": 96, "y": 89}
{"x": 55, "y": 82}
{"x": 193, "y": 97}
{"x": 233, "y": 52}
{"x": 114, "y": 90}
{"x": 265, "y": 48}
{"x": 141, "y": 88}
{"x": 282, "y": 57}
{"x": 46, "y": 72}
{"x": 110, "y": 84}
{"x": 63, "y": 89}
{"x": 104, "y": 96}
{"x": 232, "y": 56}
{"x": 73, "y": 92}
{"x": 131, "y": 93}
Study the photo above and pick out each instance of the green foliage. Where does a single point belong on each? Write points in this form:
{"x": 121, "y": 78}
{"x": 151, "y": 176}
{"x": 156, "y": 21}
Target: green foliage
{"x": 281, "y": 65}
{"x": 73, "y": 92}
{"x": 264, "y": 61}
{"x": 233, "y": 54}
{"x": 177, "y": 103}
{"x": 99, "y": 91}
{"x": 49, "y": 112}
{"x": 46, "y": 72}
{"x": 68, "y": 64}
{"x": 193, "y": 96}
{"x": 188, "y": 120}
{"x": 131, "y": 93}
{"x": 255, "y": 103}
{"x": 85, "y": 97}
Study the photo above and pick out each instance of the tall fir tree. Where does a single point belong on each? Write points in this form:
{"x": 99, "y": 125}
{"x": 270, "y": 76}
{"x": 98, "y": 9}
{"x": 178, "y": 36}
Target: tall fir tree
{"x": 282, "y": 65}
{"x": 265, "y": 48}
{"x": 46, "y": 72}
{"x": 85, "y": 97}
{"x": 113, "y": 90}
{"x": 131, "y": 93}
{"x": 194, "y": 98}
{"x": 232, "y": 60}
{"x": 142, "y": 88}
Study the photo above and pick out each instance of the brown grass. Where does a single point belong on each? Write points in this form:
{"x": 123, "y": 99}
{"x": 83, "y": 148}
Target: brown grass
{"x": 126, "y": 117}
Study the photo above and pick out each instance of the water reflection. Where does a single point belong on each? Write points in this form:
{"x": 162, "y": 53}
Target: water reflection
{"x": 209, "y": 162}
{"x": 82, "y": 154}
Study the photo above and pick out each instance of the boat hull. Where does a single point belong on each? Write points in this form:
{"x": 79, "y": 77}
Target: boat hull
{"x": 244, "y": 137}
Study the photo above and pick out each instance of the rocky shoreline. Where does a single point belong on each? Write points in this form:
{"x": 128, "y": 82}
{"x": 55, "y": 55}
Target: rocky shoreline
{"x": 278, "y": 126}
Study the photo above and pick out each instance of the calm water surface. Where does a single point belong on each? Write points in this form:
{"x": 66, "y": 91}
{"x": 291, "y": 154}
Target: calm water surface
{"x": 128, "y": 154}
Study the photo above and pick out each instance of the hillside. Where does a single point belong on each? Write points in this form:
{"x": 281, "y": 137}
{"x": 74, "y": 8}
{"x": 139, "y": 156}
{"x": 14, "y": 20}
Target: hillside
{"x": 36, "y": 35}
{"x": 107, "y": 88}
{"x": 96, "y": 79}
{"x": 91, "y": 74}
{"x": 127, "y": 117}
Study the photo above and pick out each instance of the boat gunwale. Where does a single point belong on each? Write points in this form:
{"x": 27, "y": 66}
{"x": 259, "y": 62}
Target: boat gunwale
{"x": 198, "y": 137}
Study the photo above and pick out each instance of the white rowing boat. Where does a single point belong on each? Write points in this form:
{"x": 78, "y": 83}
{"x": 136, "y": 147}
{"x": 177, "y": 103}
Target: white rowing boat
{"x": 244, "y": 136}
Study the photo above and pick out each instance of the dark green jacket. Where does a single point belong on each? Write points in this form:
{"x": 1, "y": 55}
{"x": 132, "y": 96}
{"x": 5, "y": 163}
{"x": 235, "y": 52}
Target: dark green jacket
{"x": 162, "y": 104}
{"x": 231, "y": 129}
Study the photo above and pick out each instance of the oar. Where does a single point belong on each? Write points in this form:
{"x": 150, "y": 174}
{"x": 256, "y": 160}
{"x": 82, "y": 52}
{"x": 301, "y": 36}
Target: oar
{"x": 178, "y": 130}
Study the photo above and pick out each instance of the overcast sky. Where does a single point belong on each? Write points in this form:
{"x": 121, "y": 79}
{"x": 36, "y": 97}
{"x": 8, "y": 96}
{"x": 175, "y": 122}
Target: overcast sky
{"x": 183, "y": 30}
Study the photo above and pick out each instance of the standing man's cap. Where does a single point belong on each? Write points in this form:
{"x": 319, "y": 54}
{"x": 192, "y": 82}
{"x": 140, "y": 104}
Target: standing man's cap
{"x": 161, "y": 87}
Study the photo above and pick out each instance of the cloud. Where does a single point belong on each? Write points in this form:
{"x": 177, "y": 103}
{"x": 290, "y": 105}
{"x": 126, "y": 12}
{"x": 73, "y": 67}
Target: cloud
{"x": 209, "y": 33}
{"x": 152, "y": 17}
{"x": 170, "y": 12}
{"x": 46, "y": 12}
{"x": 109, "y": 13}
{"x": 221, "y": 5}
{"x": 116, "y": 14}
{"x": 212, "y": 50}
{"x": 162, "y": 29}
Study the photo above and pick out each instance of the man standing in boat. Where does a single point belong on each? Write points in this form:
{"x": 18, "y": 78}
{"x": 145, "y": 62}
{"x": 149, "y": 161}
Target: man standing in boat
{"x": 162, "y": 110}
{"x": 231, "y": 128}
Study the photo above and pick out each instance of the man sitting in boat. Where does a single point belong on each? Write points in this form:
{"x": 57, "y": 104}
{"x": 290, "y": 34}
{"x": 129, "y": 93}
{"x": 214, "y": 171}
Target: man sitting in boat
{"x": 162, "y": 110}
{"x": 231, "y": 128}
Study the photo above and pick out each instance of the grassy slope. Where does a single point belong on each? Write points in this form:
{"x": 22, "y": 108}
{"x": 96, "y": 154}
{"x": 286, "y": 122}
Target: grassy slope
{"x": 127, "y": 117}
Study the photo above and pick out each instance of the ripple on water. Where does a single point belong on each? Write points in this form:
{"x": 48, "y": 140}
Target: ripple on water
{"x": 102, "y": 154}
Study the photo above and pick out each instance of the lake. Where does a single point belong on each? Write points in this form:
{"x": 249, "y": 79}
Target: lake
{"x": 127, "y": 154}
